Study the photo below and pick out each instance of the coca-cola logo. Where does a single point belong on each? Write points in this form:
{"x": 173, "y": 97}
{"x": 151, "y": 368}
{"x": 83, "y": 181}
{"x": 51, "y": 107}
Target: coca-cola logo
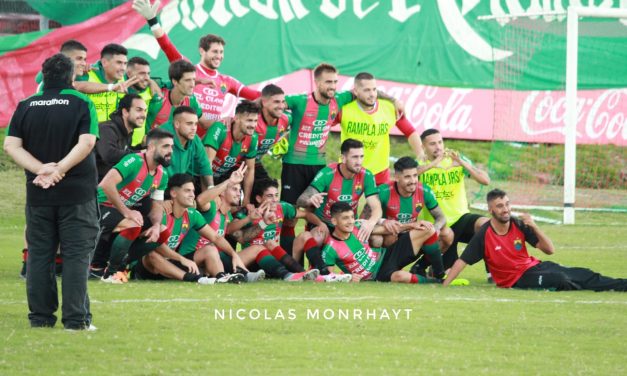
{"x": 600, "y": 116}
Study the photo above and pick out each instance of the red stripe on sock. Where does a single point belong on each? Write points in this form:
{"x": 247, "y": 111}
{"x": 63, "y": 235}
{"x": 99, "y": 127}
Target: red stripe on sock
{"x": 278, "y": 252}
{"x": 414, "y": 279}
{"x": 432, "y": 239}
{"x": 24, "y": 254}
{"x": 310, "y": 244}
{"x": 131, "y": 233}
{"x": 263, "y": 254}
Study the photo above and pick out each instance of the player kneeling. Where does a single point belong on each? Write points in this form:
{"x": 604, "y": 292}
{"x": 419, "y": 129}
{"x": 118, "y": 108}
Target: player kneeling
{"x": 161, "y": 260}
{"x": 352, "y": 256}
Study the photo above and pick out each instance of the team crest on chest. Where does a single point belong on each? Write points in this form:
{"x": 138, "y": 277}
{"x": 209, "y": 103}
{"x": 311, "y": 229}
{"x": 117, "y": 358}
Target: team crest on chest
{"x": 518, "y": 245}
{"x": 223, "y": 88}
{"x": 358, "y": 189}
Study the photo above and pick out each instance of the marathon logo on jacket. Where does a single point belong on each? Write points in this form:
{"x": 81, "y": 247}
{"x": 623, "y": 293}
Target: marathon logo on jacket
{"x": 50, "y": 102}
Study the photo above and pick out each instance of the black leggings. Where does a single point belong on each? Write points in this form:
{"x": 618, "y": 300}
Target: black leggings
{"x": 549, "y": 275}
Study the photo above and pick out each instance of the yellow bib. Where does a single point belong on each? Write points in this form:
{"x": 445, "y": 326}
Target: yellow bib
{"x": 371, "y": 129}
{"x": 105, "y": 102}
{"x": 447, "y": 183}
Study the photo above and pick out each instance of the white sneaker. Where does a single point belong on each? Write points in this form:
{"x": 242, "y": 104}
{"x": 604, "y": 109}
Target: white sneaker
{"x": 337, "y": 278}
{"x": 257, "y": 276}
{"x": 90, "y": 328}
{"x": 117, "y": 278}
{"x": 206, "y": 281}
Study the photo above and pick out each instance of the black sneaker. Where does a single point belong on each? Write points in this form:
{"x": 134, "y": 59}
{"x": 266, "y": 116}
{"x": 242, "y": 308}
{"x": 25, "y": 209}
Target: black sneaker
{"x": 236, "y": 278}
{"x": 23, "y": 271}
{"x": 95, "y": 272}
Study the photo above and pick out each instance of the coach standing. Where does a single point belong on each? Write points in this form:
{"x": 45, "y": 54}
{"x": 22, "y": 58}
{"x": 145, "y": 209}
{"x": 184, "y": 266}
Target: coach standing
{"x": 51, "y": 135}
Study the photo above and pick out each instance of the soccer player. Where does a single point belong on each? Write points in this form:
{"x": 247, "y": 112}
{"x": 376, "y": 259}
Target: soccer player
{"x": 131, "y": 199}
{"x": 188, "y": 156}
{"x": 77, "y": 52}
{"x": 403, "y": 200}
{"x": 116, "y": 134}
{"x": 353, "y": 256}
{"x": 109, "y": 72}
{"x": 179, "y": 93}
{"x": 165, "y": 262}
{"x": 370, "y": 120}
{"x": 501, "y": 242}
{"x": 262, "y": 236}
{"x": 346, "y": 182}
{"x": 272, "y": 124}
{"x": 212, "y": 86}
{"x": 230, "y": 141}
{"x": 444, "y": 171}
{"x": 139, "y": 68}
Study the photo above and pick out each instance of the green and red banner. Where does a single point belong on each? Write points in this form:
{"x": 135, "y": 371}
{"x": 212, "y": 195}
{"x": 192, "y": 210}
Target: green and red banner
{"x": 434, "y": 54}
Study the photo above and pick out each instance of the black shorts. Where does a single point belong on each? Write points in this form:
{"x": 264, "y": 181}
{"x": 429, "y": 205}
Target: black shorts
{"x": 398, "y": 255}
{"x": 110, "y": 217}
{"x": 464, "y": 228}
{"x": 139, "y": 271}
{"x": 295, "y": 178}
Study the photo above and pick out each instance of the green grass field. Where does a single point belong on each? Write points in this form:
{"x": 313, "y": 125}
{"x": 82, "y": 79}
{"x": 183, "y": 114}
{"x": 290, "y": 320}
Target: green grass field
{"x": 177, "y": 328}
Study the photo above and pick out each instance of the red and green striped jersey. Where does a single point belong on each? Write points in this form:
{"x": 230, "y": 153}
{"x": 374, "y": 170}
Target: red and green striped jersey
{"x": 216, "y": 220}
{"x": 137, "y": 182}
{"x": 405, "y": 209}
{"x": 339, "y": 188}
{"x": 178, "y": 228}
{"x": 311, "y": 124}
{"x": 283, "y": 211}
{"x": 353, "y": 256}
{"x": 229, "y": 153}
{"x": 162, "y": 110}
{"x": 269, "y": 134}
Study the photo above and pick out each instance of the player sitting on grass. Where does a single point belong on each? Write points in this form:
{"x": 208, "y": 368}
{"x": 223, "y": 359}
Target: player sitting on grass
{"x": 215, "y": 205}
{"x": 344, "y": 249}
{"x": 403, "y": 200}
{"x": 160, "y": 260}
{"x": 501, "y": 243}
{"x": 264, "y": 233}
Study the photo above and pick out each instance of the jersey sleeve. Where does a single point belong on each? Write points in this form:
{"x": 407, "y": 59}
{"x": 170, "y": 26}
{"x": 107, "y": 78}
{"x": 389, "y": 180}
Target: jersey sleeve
{"x": 405, "y": 126}
{"x": 129, "y": 165}
{"x": 321, "y": 181}
{"x": 430, "y": 201}
{"x": 293, "y": 101}
{"x": 370, "y": 187}
{"x": 200, "y": 159}
{"x": 530, "y": 235}
{"x": 343, "y": 97}
{"x": 289, "y": 211}
{"x": 288, "y": 123}
{"x": 196, "y": 220}
{"x": 215, "y": 135}
{"x": 329, "y": 256}
{"x": 475, "y": 249}
{"x": 14, "y": 129}
{"x": 159, "y": 193}
{"x": 168, "y": 48}
{"x": 384, "y": 194}
{"x": 252, "y": 152}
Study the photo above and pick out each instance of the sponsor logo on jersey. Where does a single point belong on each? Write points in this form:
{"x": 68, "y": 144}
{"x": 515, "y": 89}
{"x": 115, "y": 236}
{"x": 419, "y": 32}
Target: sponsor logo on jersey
{"x": 345, "y": 198}
{"x": 497, "y": 248}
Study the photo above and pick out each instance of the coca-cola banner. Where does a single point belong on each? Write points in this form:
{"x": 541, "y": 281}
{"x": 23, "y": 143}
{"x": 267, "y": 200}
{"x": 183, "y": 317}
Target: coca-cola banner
{"x": 523, "y": 116}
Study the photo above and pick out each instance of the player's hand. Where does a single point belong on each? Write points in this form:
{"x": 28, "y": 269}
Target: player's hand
{"x": 238, "y": 175}
{"x": 269, "y": 216}
{"x": 238, "y": 263}
{"x": 527, "y": 220}
{"x": 424, "y": 225}
{"x": 317, "y": 199}
{"x": 392, "y": 226}
{"x": 152, "y": 234}
{"x": 356, "y": 278}
{"x": 364, "y": 231}
{"x": 144, "y": 8}
{"x": 135, "y": 216}
{"x": 454, "y": 154}
{"x": 122, "y": 87}
{"x": 167, "y": 206}
{"x": 48, "y": 175}
{"x": 156, "y": 90}
{"x": 190, "y": 265}
{"x": 320, "y": 233}
{"x": 253, "y": 212}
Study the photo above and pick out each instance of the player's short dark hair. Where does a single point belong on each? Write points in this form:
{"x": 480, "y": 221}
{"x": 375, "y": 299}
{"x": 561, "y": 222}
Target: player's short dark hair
{"x": 350, "y": 143}
{"x": 179, "y": 68}
{"x": 178, "y": 180}
{"x": 72, "y": 45}
{"x": 157, "y": 134}
{"x": 137, "y": 60}
{"x": 126, "y": 103}
{"x": 428, "y": 133}
{"x": 364, "y": 76}
{"x": 183, "y": 110}
{"x": 247, "y": 107}
{"x": 405, "y": 163}
{"x": 262, "y": 185}
{"x": 206, "y": 41}
{"x": 58, "y": 68}
{"x": 323, "y": 67}
{"x": 113, "y": 49}
{"x": 494, "y": 194}
{"x": 271, "y": 90}
{"x": 340, "y": 207}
